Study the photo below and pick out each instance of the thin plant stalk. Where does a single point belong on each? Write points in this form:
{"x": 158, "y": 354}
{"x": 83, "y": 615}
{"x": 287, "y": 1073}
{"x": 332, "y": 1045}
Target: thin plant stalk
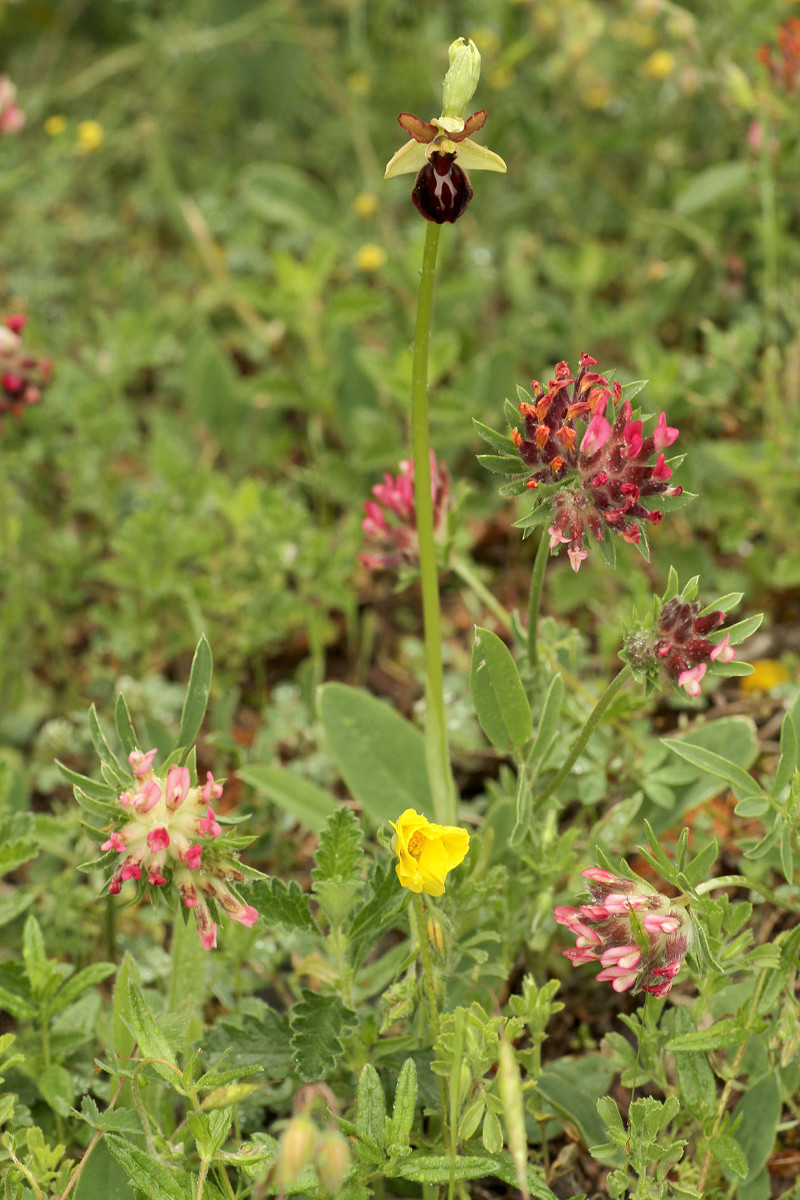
{"x": 437, "y": 750}
{"x": 429, "y": 983}
{"x": 535, "y": 598}
{"x": 582, "y": 740}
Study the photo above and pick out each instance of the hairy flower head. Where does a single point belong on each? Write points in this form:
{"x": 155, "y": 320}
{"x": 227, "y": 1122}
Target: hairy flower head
{"x": 426, "y": 852}
{"x": 637, "y": 935}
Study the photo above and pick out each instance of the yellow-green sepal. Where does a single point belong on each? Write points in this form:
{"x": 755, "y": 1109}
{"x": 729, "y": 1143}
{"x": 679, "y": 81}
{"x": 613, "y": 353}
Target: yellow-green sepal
{"x": 409, "y": 158}
{"x": 474, "y": 157}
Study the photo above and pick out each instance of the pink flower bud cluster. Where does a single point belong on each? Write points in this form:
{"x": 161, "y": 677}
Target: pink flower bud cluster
{"x": 168, "y": 838}
{"x": 390, "y": 521}
{"x": 12, "y": 118}
{"x": 22, "y": 375}
{"x": 606, "y": 471}
{"x": 682, "y": 647}
{"x": 604, "y": 933}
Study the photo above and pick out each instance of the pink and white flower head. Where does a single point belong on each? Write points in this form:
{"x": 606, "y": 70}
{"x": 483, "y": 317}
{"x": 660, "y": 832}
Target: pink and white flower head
{"x": 682, "y": 646}
{"x": 23, "y": 376}
{"x": 644, "y": 952}
{"x": 390, "y": 520}
{"x": 169, "y": 837}
{"x": 606, "y": 471}
{"x": 12, "y": 118}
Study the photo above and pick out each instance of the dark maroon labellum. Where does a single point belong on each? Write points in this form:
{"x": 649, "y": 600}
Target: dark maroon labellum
{"x": 442, "y": 191}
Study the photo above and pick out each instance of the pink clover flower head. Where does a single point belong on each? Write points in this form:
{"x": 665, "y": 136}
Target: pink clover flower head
{"x": 171, "y": 837}
{"x": 605, "y": 933}
{"x": 607, "y": 477}
{"x": 23, "y": 376}
{"x": 683, "y": 647}
{"x": 12, "y": 118}
{"x": 390, "y": 520}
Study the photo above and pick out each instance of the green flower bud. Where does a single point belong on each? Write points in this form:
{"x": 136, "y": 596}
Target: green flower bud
{"x": 461, "y": 80}
{"x": 295, "y": 1151}
{"x": 332, "y": 1161}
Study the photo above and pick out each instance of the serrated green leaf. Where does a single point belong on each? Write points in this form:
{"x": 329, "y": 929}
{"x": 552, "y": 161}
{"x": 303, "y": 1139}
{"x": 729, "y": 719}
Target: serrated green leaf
{"x": 152, "y": 1043}
{"x": 420, "y": 1167}
{"x": 283, "y": 904}
{"x": 380, "y": 755}
{"x": 370, "y": 1109}
{"x": 102, "y": 1176}
{"x": 405, "y": 1100}
{"x": 339, "y": 855}
{"x": 308, "y": 803}
{"x": 33, "y": 955}
{"x": 147, "y": 1173}
{"x": 16, "y": 852}
{"x": 500, "y": 701}
{"x": 727, "y": 1032}
{"x": 113, "y": 1120}
{"x": 318, "y": 1023}
{"x": 196, "y": 702}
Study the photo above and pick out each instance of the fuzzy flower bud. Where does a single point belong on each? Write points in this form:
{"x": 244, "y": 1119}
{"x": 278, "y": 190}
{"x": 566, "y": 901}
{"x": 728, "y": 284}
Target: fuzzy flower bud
{"x": 644, "y": 951}
{"x": 461, "y": 81}
{"x": 170, "y": 836}
{"x": 332, "y": 1161}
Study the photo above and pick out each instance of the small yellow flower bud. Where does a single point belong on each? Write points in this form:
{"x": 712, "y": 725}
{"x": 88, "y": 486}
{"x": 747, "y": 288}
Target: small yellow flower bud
{"x": 295, "y": 1151}
{"x": 370, "y": 257}
{"x": 332, "y": 1161}
{"x": 461, "y": 80}
{"x": 55, "y": 125}
{"x": 435, "y": 935}
{"x": 90, "y": 136}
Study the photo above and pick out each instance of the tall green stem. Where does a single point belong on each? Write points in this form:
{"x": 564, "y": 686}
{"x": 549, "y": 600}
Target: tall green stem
{"x": 438, "y": 754}
{"x": 535, "y": 598}
{"x": 581, "y": 741}
{"x": 429, "y": 982}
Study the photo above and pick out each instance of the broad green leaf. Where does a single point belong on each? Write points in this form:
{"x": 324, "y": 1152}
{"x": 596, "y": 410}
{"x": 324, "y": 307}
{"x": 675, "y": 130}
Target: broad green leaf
{"x": 124, "y": 1039}
{"x": 282, "y": 903}
{"x": 56, "y": 1085}
{"x": 492, "y": 1133}
{"x": 727, "y": 1151}
{"x": 760, "y": 1112}
{"x": 102, "y": 1176}
{"x": 305, "y": 801}
{"x": 89, "y": 977}
{"x": 789, "y": 754}
{"x": 189, "y": 967}
{"x": 724, "y": 604}
{"x": 152, "y": 1043}
{"x": 499, "y": 464}
{"x": 752, "y": 806}
{"x": 548, "y": 722}
{"x": 13, "y": 905}
{"x": 712, "y": 184}
{"x": 196, "y": 702}
{"x": 713, "y": 764}
{"x": 318, "y": 1023}
{"x": 405, "y": 1100}
{"x": 572, "y": 1087}
{"x": 695, "y": 1078}
{"x": 497, "y": 692}
{"x": 370, "y": 1110}
{"x": 380, "y": 755}
{"x": 743, "y": 629}
{"x": 14, "y": 853}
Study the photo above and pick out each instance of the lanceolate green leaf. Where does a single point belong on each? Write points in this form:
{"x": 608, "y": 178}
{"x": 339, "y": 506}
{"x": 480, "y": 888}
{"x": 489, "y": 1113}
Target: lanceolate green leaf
{"x": 295, "y": 795}
{"x": 714, "y": 764}
{"x": 196, "y": 702}
{"x": 497, "y": 692}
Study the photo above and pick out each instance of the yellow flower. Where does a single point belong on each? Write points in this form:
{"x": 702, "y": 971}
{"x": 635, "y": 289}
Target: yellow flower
{"x": 365, "y": 204}
{"x": 371, "y": 257}
{"x": 768, "y": 674}
{"x": 426, "y": 852}
{"x": 55, "y": 125}
{"x": 90, "y": 136}
{"x": 659, "y": 65}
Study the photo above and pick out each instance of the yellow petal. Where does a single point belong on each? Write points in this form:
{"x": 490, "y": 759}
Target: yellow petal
{"x": 474, "y": 157}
